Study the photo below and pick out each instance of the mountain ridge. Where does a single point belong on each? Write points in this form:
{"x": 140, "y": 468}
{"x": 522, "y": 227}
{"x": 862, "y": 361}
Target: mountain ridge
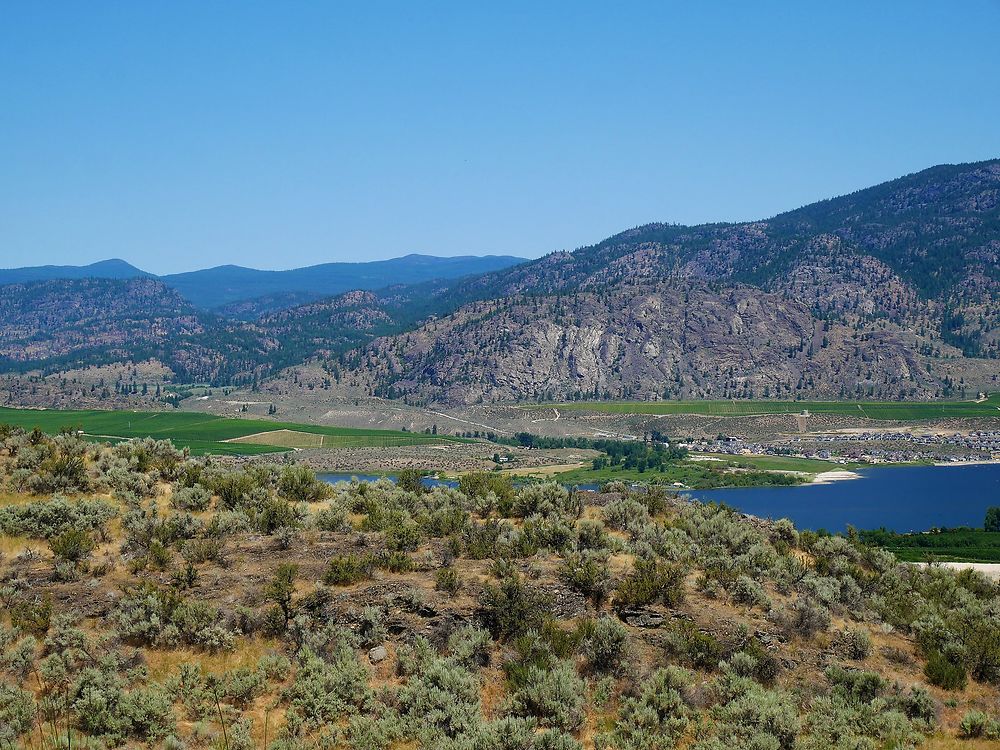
{"x": 218, "y": 287}
{"x": 889, "y": 292}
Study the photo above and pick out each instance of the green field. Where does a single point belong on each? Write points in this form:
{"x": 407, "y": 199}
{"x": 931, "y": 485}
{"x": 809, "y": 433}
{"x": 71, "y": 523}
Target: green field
{"x": 960, "y": 545}
{"x": 704, "y": 475}
{"x": 204, "y": 433}
{"x": 887, "y": 410}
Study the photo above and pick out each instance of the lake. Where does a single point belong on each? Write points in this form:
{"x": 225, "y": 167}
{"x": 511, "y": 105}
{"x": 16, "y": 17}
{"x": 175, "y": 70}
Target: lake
{"x": 428, "y": 481}
{"x": 906, "y": 498}
{"x": 901, "y": 498}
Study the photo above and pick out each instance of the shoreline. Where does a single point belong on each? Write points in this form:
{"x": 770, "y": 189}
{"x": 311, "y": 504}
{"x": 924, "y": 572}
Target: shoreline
{"x": 836, "y": 475}
{"x": 991, "y": 462}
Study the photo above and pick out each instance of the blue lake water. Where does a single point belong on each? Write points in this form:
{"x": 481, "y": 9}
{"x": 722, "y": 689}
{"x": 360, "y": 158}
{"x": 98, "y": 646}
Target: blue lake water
{"x": 428, "y": 481}
{"x": 907, "y": 498}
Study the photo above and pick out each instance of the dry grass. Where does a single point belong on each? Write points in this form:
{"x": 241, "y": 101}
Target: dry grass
{"x": 14, "y": 545}
{"x": 162, "y": 662}
{"x": 282, "y": 438}
{"x": 942, "y": 742}
{"x": 543, "y": 471}
{"x": 15, "y": 498}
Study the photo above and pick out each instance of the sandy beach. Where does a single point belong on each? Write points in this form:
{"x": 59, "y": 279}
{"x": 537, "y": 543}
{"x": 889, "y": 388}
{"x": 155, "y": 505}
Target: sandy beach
{"x": 839, "y": 475}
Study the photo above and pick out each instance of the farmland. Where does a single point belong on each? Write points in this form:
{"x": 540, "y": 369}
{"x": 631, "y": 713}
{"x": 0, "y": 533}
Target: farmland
{"x": 880, "y": 410}
{"x": 206, "y": 434}
{"x": 964, "y": 545}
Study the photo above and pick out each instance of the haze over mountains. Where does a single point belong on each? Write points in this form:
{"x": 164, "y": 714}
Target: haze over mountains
{"x": 890, "y": 292}
{"x": 214, "y": 288}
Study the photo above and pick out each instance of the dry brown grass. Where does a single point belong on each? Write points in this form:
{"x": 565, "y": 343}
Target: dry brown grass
{"x": 15, "y": 498}
{"x": 162, "y": 662}
{"x": 943, "y": 742}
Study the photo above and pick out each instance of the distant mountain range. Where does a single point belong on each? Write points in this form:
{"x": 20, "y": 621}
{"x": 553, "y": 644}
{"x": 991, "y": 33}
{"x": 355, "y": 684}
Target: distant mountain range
{"x": 890, "y": 292}
{"x": 222, "y": 287}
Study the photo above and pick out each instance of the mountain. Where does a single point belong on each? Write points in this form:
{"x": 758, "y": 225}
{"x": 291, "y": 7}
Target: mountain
{"x": 105, "y": 269}
{"x": 890, "y": 292}
{"x": 218, "y": 287}
{"x": 248, "y": 293}
{"x": 60, "y": 324}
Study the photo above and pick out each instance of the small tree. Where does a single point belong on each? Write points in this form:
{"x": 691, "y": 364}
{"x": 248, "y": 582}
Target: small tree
{"x": 992, "y": 522}
{"x": 282, "y": 587}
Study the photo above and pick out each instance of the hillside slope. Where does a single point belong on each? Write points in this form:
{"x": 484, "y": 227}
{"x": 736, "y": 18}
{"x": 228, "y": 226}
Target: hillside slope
{"x": 889, "y": 292}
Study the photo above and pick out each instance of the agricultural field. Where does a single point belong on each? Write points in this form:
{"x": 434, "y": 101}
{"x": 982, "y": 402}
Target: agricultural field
{"x": 960, "y": 545}
{"x": 206, "y": 434}
{"x": 881, "y": 410}
{"x": 698, "y": 475}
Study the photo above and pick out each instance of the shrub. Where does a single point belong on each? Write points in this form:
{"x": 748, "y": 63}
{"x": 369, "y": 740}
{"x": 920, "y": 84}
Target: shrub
{"x": 549, "y": 500}
{"x": 281, "y": 588}
{"x": 511, "y": 607}
{"x": 17, "y": 714}
{"x": 299, "y": 483}
{"x": 700, "y": 650}
{"x": 657, "y": 718}
{"x": 470, "y": 646}
{"x": 442, "y": 700}
{"x": 555, "y": 696}
{"x": 748, "y": 591}
{"x": 404, "y": 537}
{"x": 652, "y": 580}
{"x": 973, "y": 724}
{"x": 49, "y": 518}
{"x": 605, "y": 644}
{"x": 587, "y": 572}
{"x": 481, "y": 484}
{"x": 195, "y": 498}
{"x": 342, "y": 570}
{"x": 853, "y": 643}
{"x": 73, "y": 546}
{"x": 32, "y": 615}
{"x": 944, "y": 673}
{"x": 322, "y": 692}
{"x": 447, "y": 580}
{"x": 804, "y": 618}
{"x": 591, "y": 535}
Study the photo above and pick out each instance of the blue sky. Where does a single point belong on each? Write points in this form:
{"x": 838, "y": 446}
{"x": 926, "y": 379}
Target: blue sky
{"x": 180, "y": 135}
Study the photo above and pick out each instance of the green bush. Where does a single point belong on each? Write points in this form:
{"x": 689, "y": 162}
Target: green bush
{"x": 511, "y": 607}
{"x": 587, "y": 572}
{"x": 698, "y": 649}
{"x": 447, "y": 580}
{"x": 604, "y": 644}
{"x": 652, "y": 580}
{"x": 944, "y": 673}
{"x": 554, "y": 696}
{"x": 747, "y": 591}
{"x": 299, "y": 484}
{"x": 853, "y": 643}
{"x": 343, "y": 570}
{"x": 195, "y": 498}
{"x": 73, "y": 546}
{"x": 657, "y": 718}
{"x": 973, "y": 724}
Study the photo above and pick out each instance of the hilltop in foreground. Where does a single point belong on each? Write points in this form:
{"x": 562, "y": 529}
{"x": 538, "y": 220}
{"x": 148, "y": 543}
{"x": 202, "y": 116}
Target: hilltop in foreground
{"x": 184, "y": 602}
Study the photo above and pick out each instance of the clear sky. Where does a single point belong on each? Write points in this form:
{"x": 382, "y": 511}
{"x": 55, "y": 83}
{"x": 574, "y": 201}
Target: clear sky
{"x": 180, "y": 135}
